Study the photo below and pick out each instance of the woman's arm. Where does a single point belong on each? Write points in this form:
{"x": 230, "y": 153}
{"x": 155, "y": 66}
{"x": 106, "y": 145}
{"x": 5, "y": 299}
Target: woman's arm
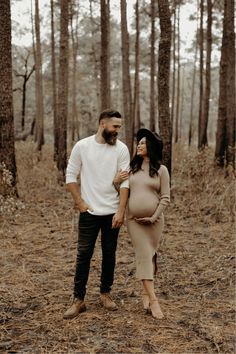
{"x": 165, "y": 194}
{"x": 120, "y": 177}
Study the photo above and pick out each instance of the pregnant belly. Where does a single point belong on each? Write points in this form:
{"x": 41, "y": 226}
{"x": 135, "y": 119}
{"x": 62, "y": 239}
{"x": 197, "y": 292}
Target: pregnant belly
{"x": 142, "y": 207}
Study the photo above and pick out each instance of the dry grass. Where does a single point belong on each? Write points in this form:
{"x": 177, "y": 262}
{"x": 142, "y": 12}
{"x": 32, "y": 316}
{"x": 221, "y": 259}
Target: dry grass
{"x": 195, "y": 281}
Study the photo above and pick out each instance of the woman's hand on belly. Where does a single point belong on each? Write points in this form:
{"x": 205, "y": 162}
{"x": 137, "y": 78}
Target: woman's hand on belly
{"x": 146, "y": 220}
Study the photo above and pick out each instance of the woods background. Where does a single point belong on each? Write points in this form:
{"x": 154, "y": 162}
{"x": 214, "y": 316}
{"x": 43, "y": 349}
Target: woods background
{"x": 89, "y": 60}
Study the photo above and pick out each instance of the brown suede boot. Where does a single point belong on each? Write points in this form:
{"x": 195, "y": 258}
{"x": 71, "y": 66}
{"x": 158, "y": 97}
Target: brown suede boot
{"x": 77, "y": 307}
{"x": 107, "y": 302}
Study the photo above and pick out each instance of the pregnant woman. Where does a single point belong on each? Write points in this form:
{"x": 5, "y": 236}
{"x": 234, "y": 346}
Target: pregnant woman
{"x": 149, "y": 196}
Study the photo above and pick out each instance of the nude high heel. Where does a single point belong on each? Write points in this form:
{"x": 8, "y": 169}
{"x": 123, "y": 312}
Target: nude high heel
{"x": 146, "y": 302}
{"x": 156, "y": 312}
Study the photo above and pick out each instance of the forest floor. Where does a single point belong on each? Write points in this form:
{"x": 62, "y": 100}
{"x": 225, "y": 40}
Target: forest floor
{"x": 195, "y": 281}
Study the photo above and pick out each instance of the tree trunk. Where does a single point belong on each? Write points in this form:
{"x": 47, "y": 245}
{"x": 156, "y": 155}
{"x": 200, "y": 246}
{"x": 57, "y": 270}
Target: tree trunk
{"x": 152, "y": 68}
{"x": 39, "y": 82}
{"x": 178, "y": 80}
{"x": 75, "y": 45}
{"x": 182, "y": 104}
{"x": 63, "y": 87}
{"x": 163, "y": 80}
{"x": 7, "y": 148}
{"x": 105, "y": 84}
{"x": 174, "y": 67}
{"x": 54, "y": 83}
{"x": 221, "y": 122}
{"x": 190, "y": 134}
{"x": 127, "y": 97}
{"x": 34, "y": 123}
{"x": 25, "y": 76}
{"x": 23, "y": 106}
{"x": 95, "y": 59}
{"x": 201, "y": 48}
{"x": 206, "y": 100}
{"x": 230, "y": 103}
{"x": 136, "y": 101}
{"x": 109, "y": 52}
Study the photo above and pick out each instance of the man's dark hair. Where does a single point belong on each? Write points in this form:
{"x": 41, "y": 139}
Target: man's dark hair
{"x": 109, "y": 113}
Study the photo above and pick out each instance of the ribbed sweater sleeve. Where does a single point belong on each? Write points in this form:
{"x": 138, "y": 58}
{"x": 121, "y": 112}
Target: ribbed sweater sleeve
{"x": 164, "y": 192}
{"x": 123, "y": 165}
{"x": 74, "y": 165}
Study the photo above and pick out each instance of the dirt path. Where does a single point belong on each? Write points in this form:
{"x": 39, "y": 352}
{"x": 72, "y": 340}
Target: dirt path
{"x": 38, "y": 249}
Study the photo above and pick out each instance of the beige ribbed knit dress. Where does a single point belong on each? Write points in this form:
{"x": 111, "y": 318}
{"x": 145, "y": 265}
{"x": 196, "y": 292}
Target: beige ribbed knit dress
{"x": 148, "y": 195}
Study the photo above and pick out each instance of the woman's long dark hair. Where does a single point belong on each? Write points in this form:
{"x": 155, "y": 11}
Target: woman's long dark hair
{"x": 155, "y": 156}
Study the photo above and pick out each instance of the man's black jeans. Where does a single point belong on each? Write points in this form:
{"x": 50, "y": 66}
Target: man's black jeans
{"x": 89, "y": 227}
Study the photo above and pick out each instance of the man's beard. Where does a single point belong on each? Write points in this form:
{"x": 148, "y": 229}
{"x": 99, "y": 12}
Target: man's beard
{"x": 109, "y": 137}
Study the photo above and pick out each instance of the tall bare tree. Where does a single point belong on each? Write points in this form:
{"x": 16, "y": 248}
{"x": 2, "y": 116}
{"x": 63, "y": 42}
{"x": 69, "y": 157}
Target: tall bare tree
{"x": 127, "y": 96}
{"x": 181, "y": 109}
{"x": 201, "y": 67}
{"x": 225, "y": 136}
{"x": 190, "y": 132}
{"x": 222, "y": 104}
{"x": 7, "y": 148}
{"x": 63, "y": 87}
{"x": 152, "y": 68}
{"x": 34, "y": 125}
{"x": 54, "y": 82}
{"x": 178, "y": 78}
{"x": 163, "y": 80}
{"x": 75, "y": 46}
{"x": 109, "y": 51}
{"x": 136, "y": 100}
{"x": 94, "y": 55}
{"x": 174, "y": 64}
{"x": 25, "y": 76}
{"x": 230, "y": 108}
{"x": 105, "y": 59}
{"x": 39, "y": 82}
{"x": 206, "y": 99}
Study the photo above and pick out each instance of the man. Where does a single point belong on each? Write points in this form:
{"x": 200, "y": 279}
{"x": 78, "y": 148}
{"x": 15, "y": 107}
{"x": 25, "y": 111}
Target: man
{"x": 97, "y": 159}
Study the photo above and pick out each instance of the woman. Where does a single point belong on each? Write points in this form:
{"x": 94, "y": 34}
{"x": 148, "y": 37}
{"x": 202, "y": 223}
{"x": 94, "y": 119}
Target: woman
{"x": 149, "y": 196}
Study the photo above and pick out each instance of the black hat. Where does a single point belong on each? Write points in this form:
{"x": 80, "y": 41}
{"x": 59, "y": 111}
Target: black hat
{"x": 152, "y": 136}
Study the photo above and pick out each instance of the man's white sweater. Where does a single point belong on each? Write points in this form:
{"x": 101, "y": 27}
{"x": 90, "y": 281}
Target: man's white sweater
{"x": 97, "y": 165}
